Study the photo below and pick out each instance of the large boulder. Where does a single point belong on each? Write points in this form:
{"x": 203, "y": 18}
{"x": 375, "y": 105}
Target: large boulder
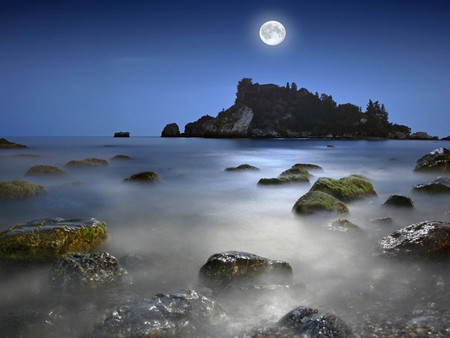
{"x": 399, "y": 201}
{"x": 143, "y": 177}
{"x": 87, "y": 162}
{"x": 16, "y": 189}
{"x": 196, "y": 129}
{"x": 440, "y": 185}
{"x": 87, "y": 271}
{"x": 51, "y": 238}
{"x": 438, "y": 160}
{"x": 171, "y": 130}
{"x": 428, "y": 239}
{"x": 5, "y": 144}
{"x": 292, "y": 175}
{"x": 318, "y": 201}
{"x": 243, "y": 167}
{"x": 230, "y": 268}
{"x": 345, "y": 189}
{"x": 307, "y": 166}
{"x": 44, "y": 170}
{"x": 185, "y": 313}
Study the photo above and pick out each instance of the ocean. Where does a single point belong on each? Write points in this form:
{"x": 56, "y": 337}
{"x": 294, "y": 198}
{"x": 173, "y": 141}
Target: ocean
{"x": 198, "y": 209}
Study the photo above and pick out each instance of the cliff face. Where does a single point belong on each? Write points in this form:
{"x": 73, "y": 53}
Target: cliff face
{"x": 269, "y": 110}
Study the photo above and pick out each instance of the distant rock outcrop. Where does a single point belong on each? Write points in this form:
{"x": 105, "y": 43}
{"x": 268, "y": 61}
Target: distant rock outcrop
{"x": 421, "y": 135}
{"x": 5, "y": 144}
{"x": 122, "y": 134}
{"x": 171, "y": 130}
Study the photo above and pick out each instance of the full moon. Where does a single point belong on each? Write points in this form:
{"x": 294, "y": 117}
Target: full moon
{"x": 272, "y": 33}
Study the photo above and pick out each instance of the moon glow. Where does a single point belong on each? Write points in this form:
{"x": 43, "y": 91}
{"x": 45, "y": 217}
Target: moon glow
{"x": 272, "y": 33}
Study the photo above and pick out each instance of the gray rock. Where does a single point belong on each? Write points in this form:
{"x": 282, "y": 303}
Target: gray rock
{"x": 437, "y": 160}
{"x": 440, "y": 185}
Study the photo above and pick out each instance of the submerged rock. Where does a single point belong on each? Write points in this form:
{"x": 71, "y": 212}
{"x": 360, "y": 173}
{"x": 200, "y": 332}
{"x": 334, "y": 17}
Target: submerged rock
{"x": 237, "y": 267}
{"x": 428, "y": 239}
{"x": 50, "y": 238}
{"x": 185, "y": 313}
{"x": 243, "y": 167}
{"x": 399, "y": 201}
{"x": 42, "y": 170}
{"x": 10, "y": 190}
{"x": 292, "y": 175}
{"x": 143, "y": 177}
{"x": 5, "y": 144}
{"x": 343, "y": 225}
{"x": 437, "y": 160}
{"x": 87, "y": 271}
{"x": 121, "y": 157}
{"x": 440, "y": 185}
{"x": 317, "y": 201}
{"x": 345, "y": 189}
{"x": 382, "y": 220}
{"x": 171, "y": 130}
{"x": 87, "y": 162}
{"x": 307, "y": 166}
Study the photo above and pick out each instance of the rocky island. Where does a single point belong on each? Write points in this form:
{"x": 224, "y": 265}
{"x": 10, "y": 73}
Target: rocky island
{"x": 272, "y": 111}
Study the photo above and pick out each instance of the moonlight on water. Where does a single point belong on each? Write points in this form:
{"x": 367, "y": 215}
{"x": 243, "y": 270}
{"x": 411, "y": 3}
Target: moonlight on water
{"x": 272, "y": 33}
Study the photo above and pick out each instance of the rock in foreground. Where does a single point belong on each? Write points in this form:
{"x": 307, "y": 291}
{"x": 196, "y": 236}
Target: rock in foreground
{"x": 43, "y": 170}
{"x": 87, "y": 162}
{"x": 181, "y": 314}
{"x": 10, "y": 190}
{"x": 438, "y": 160}
{"x": 428, "y": 239}
{"x": 87, "y": 271}
{"x": 318, "y": 201}
{"x": 143, "y": 177}
{"x": 345, "y": 189}
{"x": 5, "y": 144}
{"x": 440, "y": 185}
{"x": 236, "y": 267}
{"x": 50, "y": 238}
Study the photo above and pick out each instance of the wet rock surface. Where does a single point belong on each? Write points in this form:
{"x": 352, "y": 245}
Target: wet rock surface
{"x": 345, "y": 189}
{"x": 428, "y": 239}
{"x": 43, "y": 170}
{"x": 317, "y": 201}
{"x": 234, "y": 268}
{"x": 50, "y": 238}
{"x": 438, "y": 160}
{"x": 185, "y": 313}
{"x": 143, "y": 177}
{"x": 440, "y": 185}
{"x": 399, "y": 201}
{"x": 18, "y": 189}
{"x": 243, "y": 167}
{"x": 87, "y": 162}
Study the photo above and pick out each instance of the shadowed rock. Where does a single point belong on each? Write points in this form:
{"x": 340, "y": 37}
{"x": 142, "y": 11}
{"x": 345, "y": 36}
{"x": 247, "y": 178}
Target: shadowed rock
{"x": 243, "y": 167}
{"x": 11, "y": 190}
{"x": 5, "y": 144}
{"x": 437, "y": 160}
{"x": 87, "y": 271}
{"x": 122, "y": 134}
{"x": 343, "y": 225}
{"x": 235, "y": 267}
{"x": 318, "y": 201}
{"x": 345, "y": 189}
{"x": 440, "y": 185}
{"x": 306, "y": 166}
{"x": 171, "y": 130}
{"x": 428, "y": 239}
{"x": 44, "y": 170}
{"x": 292, "y": 175}
{"x": 143, "y": 177}
{"x": 50, "y": 238}
{"x": 87, "y": 162}
{"x": 121, "y": 157}
{"x": 185, "y": 313}
{"x": 399, "y": 201}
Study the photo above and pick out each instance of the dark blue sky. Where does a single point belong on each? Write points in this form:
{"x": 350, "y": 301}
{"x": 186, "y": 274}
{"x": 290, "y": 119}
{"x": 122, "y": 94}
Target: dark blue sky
{"x": 88, "y": 67}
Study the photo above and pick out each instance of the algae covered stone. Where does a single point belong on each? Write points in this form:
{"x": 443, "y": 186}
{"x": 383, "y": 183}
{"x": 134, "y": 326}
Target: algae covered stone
{"x": 345, "y": 189}
{"x": 143, "y": 177}
{"x": 50, "y": 238}
{"x": 243, "y": 167}
{"x": 317, "y": 201}
{"x": 292, "y": 175}
{"x": 307, "y": 166}
{"x": 16, "y": 189}
{"x": 88, "y": 162}
{"x": 42, "y": 170}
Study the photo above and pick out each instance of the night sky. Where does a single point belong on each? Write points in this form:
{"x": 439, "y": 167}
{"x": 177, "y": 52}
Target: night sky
{"x": 88, "y": 67}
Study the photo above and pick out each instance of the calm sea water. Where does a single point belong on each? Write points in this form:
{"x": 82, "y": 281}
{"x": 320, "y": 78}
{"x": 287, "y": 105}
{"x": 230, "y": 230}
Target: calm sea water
{"x": 197, "y": 209}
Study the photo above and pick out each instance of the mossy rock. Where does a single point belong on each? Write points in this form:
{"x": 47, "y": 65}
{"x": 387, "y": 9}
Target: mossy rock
{"x": 243, "y": 167}
{"x": 143, "y": 177}
{"x": 87, "y": 162}
{"x": 43, "y": 170}
{"x": 307, "y": 166}
{"x": 10, "y": 190}
{"x": 121, "y": 157}
{"x": 317, "y": 201}
{"x": 399, "y": 201}
{"x": 438, "y": 160}
{"x": 5, "y": 144}
{"x": 292, "y": 175}
{"x": 51, "y": 238}
{"x": 346, "y": 189}
{"x": 297, "y": 172}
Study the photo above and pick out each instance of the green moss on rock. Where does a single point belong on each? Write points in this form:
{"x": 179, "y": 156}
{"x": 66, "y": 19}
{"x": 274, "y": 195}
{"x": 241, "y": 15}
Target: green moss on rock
{"x": 307, "y": 166}
{"x": 345, "y": 189}
{"x": 87, "y": 162}
{"x": 10, "y": 190}
{"x": 143, "y": 177}
{"x": 292, "y": 175}
{"x": 47, "y": 239}
{"x": 317, "y": 201}
{"x": 243, "y": 167}
{"x": 41, "y": 170}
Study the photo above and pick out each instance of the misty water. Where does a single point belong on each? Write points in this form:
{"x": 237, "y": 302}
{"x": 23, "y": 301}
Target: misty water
{"x": 197, "y": 209}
